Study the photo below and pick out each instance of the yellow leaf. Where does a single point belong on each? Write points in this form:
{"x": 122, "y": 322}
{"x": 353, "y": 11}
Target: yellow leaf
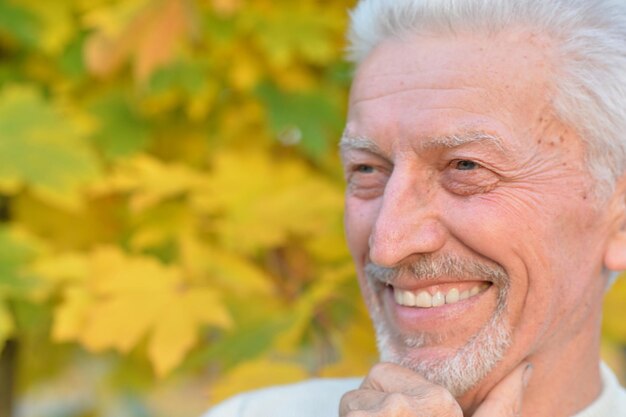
{"x": 176, "y": 331}
{"x": 124, "y": 299}
{"x": 256, "y": 374}
{"x": 161, "y": 224}
{"x": 172, "y": 338}
{"x": 57, "y": 270}
{"x": 7, "y": 325}
{"x": 70, "y": 315}
{"x": 204, "y": 305}
{"x": 150, "y": 181}
{"x": 225, "y": 269}
{"x": 268, "y": 201}
{"x": 95, "y": 222}
{"x": 122, "y": 321}
{"x": 612, "y": 354}
{"x": 614, "y": 325}
{"x": 61, "y": 268}
{"x": 245, "y": 71}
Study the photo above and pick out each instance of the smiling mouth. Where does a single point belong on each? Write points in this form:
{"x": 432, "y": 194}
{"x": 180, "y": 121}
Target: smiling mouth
{"x": 437, "y": 296}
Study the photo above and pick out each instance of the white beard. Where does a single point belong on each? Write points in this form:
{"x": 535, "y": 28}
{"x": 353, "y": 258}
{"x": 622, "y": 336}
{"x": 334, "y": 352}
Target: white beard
{"x": 459, "y": 372}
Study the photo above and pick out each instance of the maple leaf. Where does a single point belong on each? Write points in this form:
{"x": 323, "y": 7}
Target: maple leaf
{"x": 149, "y": 39}
{"x": 127, "y": 298}
{"x": 270, "y": 205}
{"x": 50, "y": 155}
{"x": 149, "y": 181}
{"x": 233, "y": 273}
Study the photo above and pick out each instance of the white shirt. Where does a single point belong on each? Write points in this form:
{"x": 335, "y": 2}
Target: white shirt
{"x": 320, "y": 398}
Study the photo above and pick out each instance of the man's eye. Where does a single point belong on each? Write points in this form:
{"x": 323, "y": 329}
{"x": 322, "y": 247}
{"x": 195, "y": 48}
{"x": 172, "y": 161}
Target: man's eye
{"x": 364, "y": 169}
{"x": 465, "y": 165}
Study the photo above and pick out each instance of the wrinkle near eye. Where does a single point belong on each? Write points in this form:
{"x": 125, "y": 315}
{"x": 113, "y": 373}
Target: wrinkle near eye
{"x": 365, "y": 180}
{"x": 466, "y": 177}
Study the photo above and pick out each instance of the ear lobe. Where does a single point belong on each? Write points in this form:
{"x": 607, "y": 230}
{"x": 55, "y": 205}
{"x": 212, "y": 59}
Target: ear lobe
{"x": 615, "y": 254}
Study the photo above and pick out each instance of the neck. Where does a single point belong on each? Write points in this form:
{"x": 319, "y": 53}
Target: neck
{"x": 565, "y": 379}
{"x": 564, "y": 382}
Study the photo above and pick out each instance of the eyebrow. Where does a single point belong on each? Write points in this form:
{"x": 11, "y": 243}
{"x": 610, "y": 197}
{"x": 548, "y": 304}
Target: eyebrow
{"x": 349, "y": 142}
{"x": 460, "y": 139}
{"x": 359, "y": 143}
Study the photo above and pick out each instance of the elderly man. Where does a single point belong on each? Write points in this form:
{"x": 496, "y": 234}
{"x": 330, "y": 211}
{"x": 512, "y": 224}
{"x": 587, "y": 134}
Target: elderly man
{"x": 485, "y": 159}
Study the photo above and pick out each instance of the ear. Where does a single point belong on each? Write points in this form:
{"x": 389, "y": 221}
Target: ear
{"x": 615, "y": 253}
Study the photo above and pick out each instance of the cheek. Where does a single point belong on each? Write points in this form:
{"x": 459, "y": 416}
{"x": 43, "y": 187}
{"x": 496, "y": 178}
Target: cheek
{"x": 548, "y": 256}
{"x": 359, "y": 219}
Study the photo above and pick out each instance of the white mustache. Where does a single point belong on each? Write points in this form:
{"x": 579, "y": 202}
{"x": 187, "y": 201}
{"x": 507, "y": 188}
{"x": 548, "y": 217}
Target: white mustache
{"x": 430, "y": 267}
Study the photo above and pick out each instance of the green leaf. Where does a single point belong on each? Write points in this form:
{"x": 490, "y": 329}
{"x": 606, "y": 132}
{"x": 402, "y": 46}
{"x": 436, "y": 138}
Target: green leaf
{"x": 42, "y": 147}
{"x": 71, "y": 61}
{"x": 15, "y": 253}
{"x": 248, "y": 342}
{"x": 17, "y": 24}
{"x": 184, "y": 76}
{"x": 121, "y": 131}
{"x": 308, "y": 119}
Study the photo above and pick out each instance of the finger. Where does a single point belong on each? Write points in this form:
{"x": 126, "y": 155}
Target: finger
{"x": 505, "y": 399}
{"x": 368, "y": 403}
{"x": 389, "y": 377}
{"x": 360, "y": 399}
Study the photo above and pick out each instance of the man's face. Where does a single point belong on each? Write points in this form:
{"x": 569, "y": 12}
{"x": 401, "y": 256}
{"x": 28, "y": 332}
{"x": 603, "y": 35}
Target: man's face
{"x": 469, "y": 213}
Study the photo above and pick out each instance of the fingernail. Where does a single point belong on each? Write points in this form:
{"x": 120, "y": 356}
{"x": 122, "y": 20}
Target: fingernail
{"x": 527, "y": 374}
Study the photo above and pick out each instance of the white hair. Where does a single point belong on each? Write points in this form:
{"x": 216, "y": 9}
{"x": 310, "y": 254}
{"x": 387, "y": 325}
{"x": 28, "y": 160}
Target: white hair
{"x": 590, "y": 44}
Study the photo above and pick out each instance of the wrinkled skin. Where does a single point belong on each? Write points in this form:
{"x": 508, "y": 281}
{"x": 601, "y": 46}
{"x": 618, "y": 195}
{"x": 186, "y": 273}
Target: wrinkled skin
{"x": 525, "y": 203}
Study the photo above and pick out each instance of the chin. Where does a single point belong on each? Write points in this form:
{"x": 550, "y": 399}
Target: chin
{"x": 457, "y": 369}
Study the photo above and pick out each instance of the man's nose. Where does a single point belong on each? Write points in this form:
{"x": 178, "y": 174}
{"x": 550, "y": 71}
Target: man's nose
{"x": 408, "y": 222}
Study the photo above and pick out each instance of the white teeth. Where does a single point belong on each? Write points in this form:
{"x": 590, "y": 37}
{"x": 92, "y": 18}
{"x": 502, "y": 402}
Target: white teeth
{"x": 452, "y": 296}
{"x": 439, "y": 299}
{"x": 398, "y": 296}
{"x": 408, "y": 299}
{"x": 423, "y": 299}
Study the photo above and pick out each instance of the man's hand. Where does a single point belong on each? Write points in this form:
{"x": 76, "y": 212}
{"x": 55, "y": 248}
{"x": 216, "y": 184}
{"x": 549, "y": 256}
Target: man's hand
{"x": 393, "y": 391}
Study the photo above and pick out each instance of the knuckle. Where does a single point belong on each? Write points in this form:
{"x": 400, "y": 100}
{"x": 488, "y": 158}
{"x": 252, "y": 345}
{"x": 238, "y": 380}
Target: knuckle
{"x": 445, "y": 402}
{"x": 349, "y": 402}
{"x": 396, "y": 401}
{"x": 441, "y": 395}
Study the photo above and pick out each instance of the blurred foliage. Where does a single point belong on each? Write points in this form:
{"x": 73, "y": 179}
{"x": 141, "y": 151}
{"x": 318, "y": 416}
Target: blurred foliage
{"x": 172, "y": 198}
{"x": 171, "y": 202}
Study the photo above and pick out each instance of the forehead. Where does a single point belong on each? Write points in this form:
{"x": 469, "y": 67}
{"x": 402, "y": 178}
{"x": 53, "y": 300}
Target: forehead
{"x": 440, "y": 85}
